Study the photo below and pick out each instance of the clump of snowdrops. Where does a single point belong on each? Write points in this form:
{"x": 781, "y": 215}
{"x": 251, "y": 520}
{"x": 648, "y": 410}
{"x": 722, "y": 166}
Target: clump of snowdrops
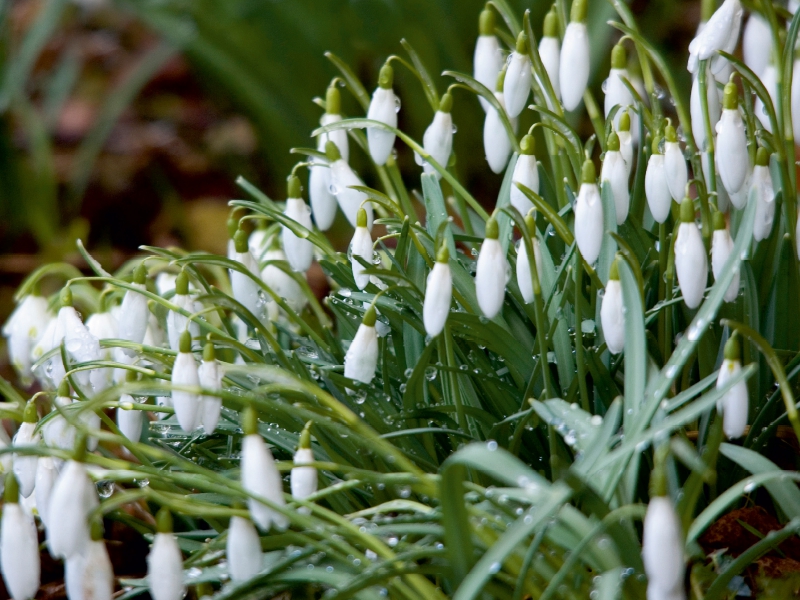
{"x": 554, "y": 396}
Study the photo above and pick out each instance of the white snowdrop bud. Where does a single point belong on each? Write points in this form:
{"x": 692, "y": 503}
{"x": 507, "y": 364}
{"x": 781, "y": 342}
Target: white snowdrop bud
{"x": 526, "y": 172}
{"x": 299, "y": 251}
{"x": 550, "y": 49}
{"x": 491, "y": 272}
{"x": 80, "y": 344}
{"x": 662, "y": 550}
{"x": 155, "y": 335}
{"x": 765, "y": 196}
{"x": 575, "y": 60}
{"x": 795, "y": 99}
{"x": 496, "y": 144}
{"x": 280, "y": 282}
{"x": 26, "y": 437}
{"x": 90, "y": 576}
{"x": 46, "y": 475}
{"x": 488, "y": 58}
{"x": 438, "y": 138}
{"x": 626, "y": 139}
{"x": 617, "y": 93}
{"x": 732, "y": 159}
{"x": 438, "y": 294}
{"x": 721, "y": 248}
{"x": 770, "y": 80}
{"x": 675, "y": 168}
{"x": 243, "y": 549}
{"x": 19, "y": 546}
{"x": 696, "y": 110}
{"x": 304, "y": 479}
{"x": 333, "y": 114}
{"x": 176, "y": 322}
{"x": 165, "y": 562}
{"x": 209, "y": 376}
{"x": 755, "y": 43}
{"x": 258, "y": 242}
{"x": 655, "y": 185}
{"x": 517, "y": 83}
{"x": 342, "y": 180}
{"x": 129, "y": 420}
{"x": 260, "y": 476}
{"x": 245, "y": 290}
{"x": 23, "y": 330}
{"x": 184, "y": 373}
{"x": 383, "y": 108}
{"x": 734, "y": 404}
{"x": 589, "y": 214}
{"x": 612, "y": 313}
{"x": 103, "y": 326}
{"x": 361, "y": 246}
{"x": 524, "y": 279}
{"x": 691, "y": 263}
{"x": 323, "y": 203}
{"x": 615, "y": 173}
{"x": 362, "y": 356}
{"x": 721, "y": 32}
{"x": 133, "y": 313}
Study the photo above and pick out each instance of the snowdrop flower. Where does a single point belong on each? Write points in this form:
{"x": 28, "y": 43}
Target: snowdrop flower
{"x": 756, "y": 43}
{"x": 184, "y": 373}
{"x": 245, "y": 289}
{"x": 333, "y": 114}
{"x": 154, "y": 335}
{"x": 438, "y": 294}
{"x": 24, "y": 329}
{"x": 258, "y": 242}
{"x": 589, "y": 215}
{"x": 526, "y": 172}
{"x": 612, "y": 312}
{"x": 129, "y": 420}
{"x": 46, "y": 475}
{"x": 103, "y": 326}
{"x": 770, "y": 80}
{"x": 675, "y": 169}
{"x": 26, "y": 437}
{"x": 574, "y": 68}
{"x": 517, "y": 83}
{"x": 165, "y": 562}
{"x": 362, "y": 356}
{"x": 662, "y": 546}
{"x": 303, "y": 479}
{"x": 696, "y": 110}
{"x": 323, "y": 202}
{"x": 488, "y": 58}
{"x": 550, "y": 49}
{"x": 243, "y": 549}
{"x": 90, "y": 576}
{"x": 282, "y": 283}
{"x": 734, "y": 404}
{"x": 764, "y": 195}
{"x": 176, "y": 322}
{"x": 691, "y": 263}
{"x": 80, "y": 344}
{"x": 133, "y": 312}
{"x": 496, "y": 144}
{"x": 361, "y": 247}
{"x": 299, "y": 251}
{"x": 732, "y": 159}
{"x": 438, "y": 138}
{"x": 491, "y": 272}
{"x": 524, "y": 277}
{"x": 617, "y": 93}
{"x": 19, "y": 546}
{"x": 260, "y": 476}
{"x": 626, "y": 138}
{"x": 57, "y": 432}
{"x": 721, "y": 248}
{"x": 655, "y": 185}
{"x": 720, "y": 33}
{"x": 615, "y": 173}
{"x": 209, "y": 377}
{"x": 342, "y": 180}
{"x": 383, "y": 108}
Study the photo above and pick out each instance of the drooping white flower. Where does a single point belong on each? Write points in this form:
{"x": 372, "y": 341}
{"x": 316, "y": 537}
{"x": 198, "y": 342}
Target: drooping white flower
{"x": 550, "y": 50}
{"x": 721, "y": 32}
{"x": 488, "y": 58}
{"x": 491, "y": 272}
{"x": 383, "y": 108}
{"x": 323, "y": 202}
{"x": 589, "y": 215}
{"x": 44, "y": 372}
{"x": 129, "y": 420}
{"x": 210, "y": 377}
{"x": 362, "y": 356}
{"x": 734, "y": 404}
{"x": 260, "y": 476}
{"x": 57, "y": 432}
{"x": 165, "y": 562}
{"x": 361, "y": 247}
{"x": 333, "y": 114}
{"x": 90, "y": 576}
{"x": 526, "y": 172}
{"x": 696, "y": 110}
{"x": 258, "y": 242}
{"x": 617, "y": 93}
{"x": 243, "y": 549}
{"x": 733, "y": 161}
{"x": 438, "y": 294}
{"x": 245, "y": 289}
{"x": 756, "y": 43}
{"x": 155, "y": 335}
{"x": 691, "y": 263}
{"x": 103, "y": 326}
{"x": 19, "y": 546}
{"x": 24, "y": 329}
{"x": 615, "y": 173}
{"x": 176, "y": 322}
{"x": 575, "y": 60}
{"x": 133, "y": 312}
{"x": 662, "y": 550}
{"x": 184, "y": 374}
{"x": 342, "y": 180}
{"x": 655, "y": 185}
{"x": 675, "y": 168}
{"x": 612, "y": 313}
{"x": 282, "y": 283}
{"x": 761, "y": 182}
{"x": 438, "y": 138}
{"x": 524, "y": 278}
{"x": 299, "y": 251}
{"x": 80, "y": 344}
{"x": 303, "y": 479}
{"x": 26, "y": 437}
{"x": 517, "y": 83}
{"x": 627, "y": 139}
{"x": 74, "y": 496}
{"x": 721, "y": 248}
{"x": 496, "y": 143}
{"x": 770, "y": 80}
{"x": 46, "y": 475}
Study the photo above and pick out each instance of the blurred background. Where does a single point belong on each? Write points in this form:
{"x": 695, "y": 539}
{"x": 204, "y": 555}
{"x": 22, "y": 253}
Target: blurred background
{"x": 127, "y": 122}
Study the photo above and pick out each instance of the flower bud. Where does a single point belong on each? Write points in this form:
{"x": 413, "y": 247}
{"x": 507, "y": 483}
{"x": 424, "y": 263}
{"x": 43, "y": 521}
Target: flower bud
{"x": 574, "y": 68}
{"x": 133, "y": 313}
{"x": 612, "y": 312}
{"x": 260, "y": 476}
{"x": 165, "y": 562}
{"x": 382, "y": 108}
{"x": 23, "y": 330}
{"x": 526, "y": 172}
{"x": 129, "y": 420}
{"x": 245, "y": 290}
{"x": 184, "y": 374}
{"x": 761, "y": 182}
{"x": 732, "y": 158}
{"x": 617, "y": 93}
{"x": 26, "y": 437}
{"x": 495, "y": 137}
{"x": 691, "y": 263}
{"x": 73, "y": 498}
{"x": 280, "y": 282}
{"x": 615, "y": 173}
{"x": 517, "y": 84}
{"x": 46, "y": 475}
{"x": 362, "y": 356}
{"x": 210, "y": 377}
{"x": 243, "y": 549}
{"x": 361, "y": 246}
{"x": 304, "y": 479}
{"x": 333, "y": 114}
{"x": 299, "y": 251}
{"x": 19, "y": 546}
{"x": 90, "y": 575}
{"x": 589, "y": 215}
{"x": 550, "y": 49}
{"x": 176, "y": 322}
{"x": 524, "y": 280}
{"x": 734, "y": 404}
{"x": 656, "y": 187}
{"x": 675, "y": 168}
{"x": 720, "y": 33}
{"x": 662, "y": 550}
{"x": 488, "y": 58}
{"x": 754, "y": 49}
{"x": 342, "y": 178}
{"x": 491, "y": 273}
{"x": 626, "y": 139}
{"x": 438, "y": 294}
{"x": 721, "y": 248}
{"x": 323, "y": 203}
{"x": 438, "y": 138}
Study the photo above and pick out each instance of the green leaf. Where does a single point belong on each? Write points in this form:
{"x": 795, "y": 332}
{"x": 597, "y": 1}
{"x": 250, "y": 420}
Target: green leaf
{"x": 608, "y": 247}
{"x": 635, "y": 343}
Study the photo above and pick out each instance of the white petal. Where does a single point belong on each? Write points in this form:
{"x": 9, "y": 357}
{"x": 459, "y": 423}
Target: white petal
{"x": 133, "y": 316}
{"x": 656, "y": 188}
{"x": 362, "y": 356}
{"x": 589, "y": 222}
{"x": 187, "y": 404}
{"x": 524, "y": 280}
{"x": 323, "y": 203}
{"x": 129, "y": 421}
{"x": 615, "y": 173}
{"x": 89, "y": 576}
{"x": 491, "y": 275}
{"x": 350, "y": 200}
{"x": 733, "y": 160}
{"x": 675, "y": 170}
{"x": 617, "y": 93}
{"x": 721, "y": 248}
{"x": 517, "y": 83}
{"x": 46, "y": 475}
{"x": 612, "y": 317}
{"x": 338, "y": 136}
{"x": 574, "y": 67}
{"x": 696, "y": 109}
{"x": 495, "y": 138}
{"x": 550, "y": 53}
{"x": 438, "y": 141}
{"x": 765, "y": 198}
{"x": 281, "y": 282}
{"x": 662, "y": 545}
{"x": 25, "y": 466}
{"x": 691, "y": 264}
{"x": 488, "y": 60}
{"x": 210, "y": 377}
{"x": 243, "y": 549}
{"x": 165, "y": 568}
{"x": 755, "y": 46}
{"x": 245, "y": 290}
{"x": 19, "y": 552}
{"x": 716, "y": 34}
{"x": 261, "y": 477}
{"x": 383, "y": 108}
{"x": 299, "y": 251}
{"x": 73, "y": 497}
{"x": 176, "y": 322}
{"x": 438, "y": 294}
{"x": 526, "y": 173}
{"x": 734, "y": 405}
{"x": 303, "y": 479}
{"x": 361, "y": 245}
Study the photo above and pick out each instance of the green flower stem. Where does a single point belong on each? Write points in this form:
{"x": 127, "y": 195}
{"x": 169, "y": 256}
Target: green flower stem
{"x": 702, "y": 81}
{"x": 579, "y": 349}
{"x": 446, "y": 344}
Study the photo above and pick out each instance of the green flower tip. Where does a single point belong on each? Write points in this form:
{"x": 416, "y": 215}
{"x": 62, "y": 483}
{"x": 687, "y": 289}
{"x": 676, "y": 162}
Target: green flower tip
{"x": 332, "y": 151}
{"x": 687, "y": 210}
{"x": 63, "y": 388}
{"x": 140, "y": 274}
{"x": 386, "y": 77}
{"x": 182, "y": 283}
{"x": 233, "y": 225}
{"x": 185, "y": 345}
{"x": 578, "y": 12}
{"x": 79, "y": 450}
{"x": 551, "y": 23}
{"x": 361, "y": 218}
{"x": 305, "y": 437}
{"x": 670, "y": 134}
{"x": 333, "y": 100}
{"x": 656, "y": 144}
{"x": 446, "y": 103}
{"x": 732, "y": 350}
{"x": 588, "y": 172}
{"x": 443, "y": 256}
{"x": 492, "y": 229}
{"x": 612, "y": 143}
{"x": 624, "y": 121}
{"x": 240, "y": 241}
{"x": 96, "y": 529}
{"x": 619, "y": 58}
{"x": 730, "y": 98}
{"x": 718, "y": 221}
{"x": 131, "y": 375}
{"x": 501, "y": 78}
{"x": 658, "y": 477}
{"x": 370, "y": 317}
{"x": 293, "y": 187}
{"x": 530, "y": 222}
{"x": 164, "y": 520}
{"x": 11, "y": 492}
{"x": 66, "y": 296}
{"x": 208, "y": 352}
{"x": 249, "y": 421}
{"x": 528, "y": 144}
{"x": 522, "y": 43}
{"x": 29, "y": 415}
{"x": 486, "y": 21}
{"x": 613, "y": 271}
{"x": 762, "y": 157}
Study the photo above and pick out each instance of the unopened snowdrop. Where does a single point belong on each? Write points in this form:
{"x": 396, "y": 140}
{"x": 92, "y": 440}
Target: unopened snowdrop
{"x": 129, "y": 420}
{"x": 90, "y": 576}
{"x": 721, "y": 248}
{"x": 617, "y": 93}
{"x": 589, "y": 214}
{"x": 550, "y": 49}
{"x": 362, "y": 356}
{"x": 260, "y": 476}
{"x": 770, "y": 80}
{"x": 46, "y": 475}
{"x": 488, "y": 58}
{"x": 675, "y": 169}
{"x": 517, "y": 83}
{"x": 720, "y": 33}
{"x": 165, "y": 562}
{"x": 491, "y": 272}
{"x": 383, "y": 108}
{"x": 303, "y": 478}
{"x": 575, "y": 60}
{"x": 133, "y": 313}
{"x": 526, "y": 172}
{"x": 176, "y": 322}
{"x": 761, "y": 186}
{"x": 438, "y": 138}
{"x": 734, "y": 404}
{"x": 524, "y": 276}
{"x": 361, "y": 247}
{"x": 626, "y": 138}
{"x": 24, "y": 329}
{"x": 496, "y": 143}
{"x": 243, "y": 549}
{"x": 662, "y": 543}
{"x": 732, "y": 159}
{"x": 333, "y": 114}
{"x": 184, "y": 374}
{"x": 282, "y": 283}
{"x": 342, "y": 180}
{"x": 26, "y": 437}
{"x": 655, "y": 185}
{"x": 696, "y": 110}
{"x": 209, "y": 377}
{"x": 80, "y": 344}
{"x": 245, "y": 289}
{"x": 615, "y": 173}
{"x": 103, "y": 326}
{"x": 19, "y": 546}
{"x": 612, "y": 313}
{"x": 756, "y": 43}
{"x": 299, "y": 251}
{"x": 438, "y": 294}
{"x": 691, "y": 263}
